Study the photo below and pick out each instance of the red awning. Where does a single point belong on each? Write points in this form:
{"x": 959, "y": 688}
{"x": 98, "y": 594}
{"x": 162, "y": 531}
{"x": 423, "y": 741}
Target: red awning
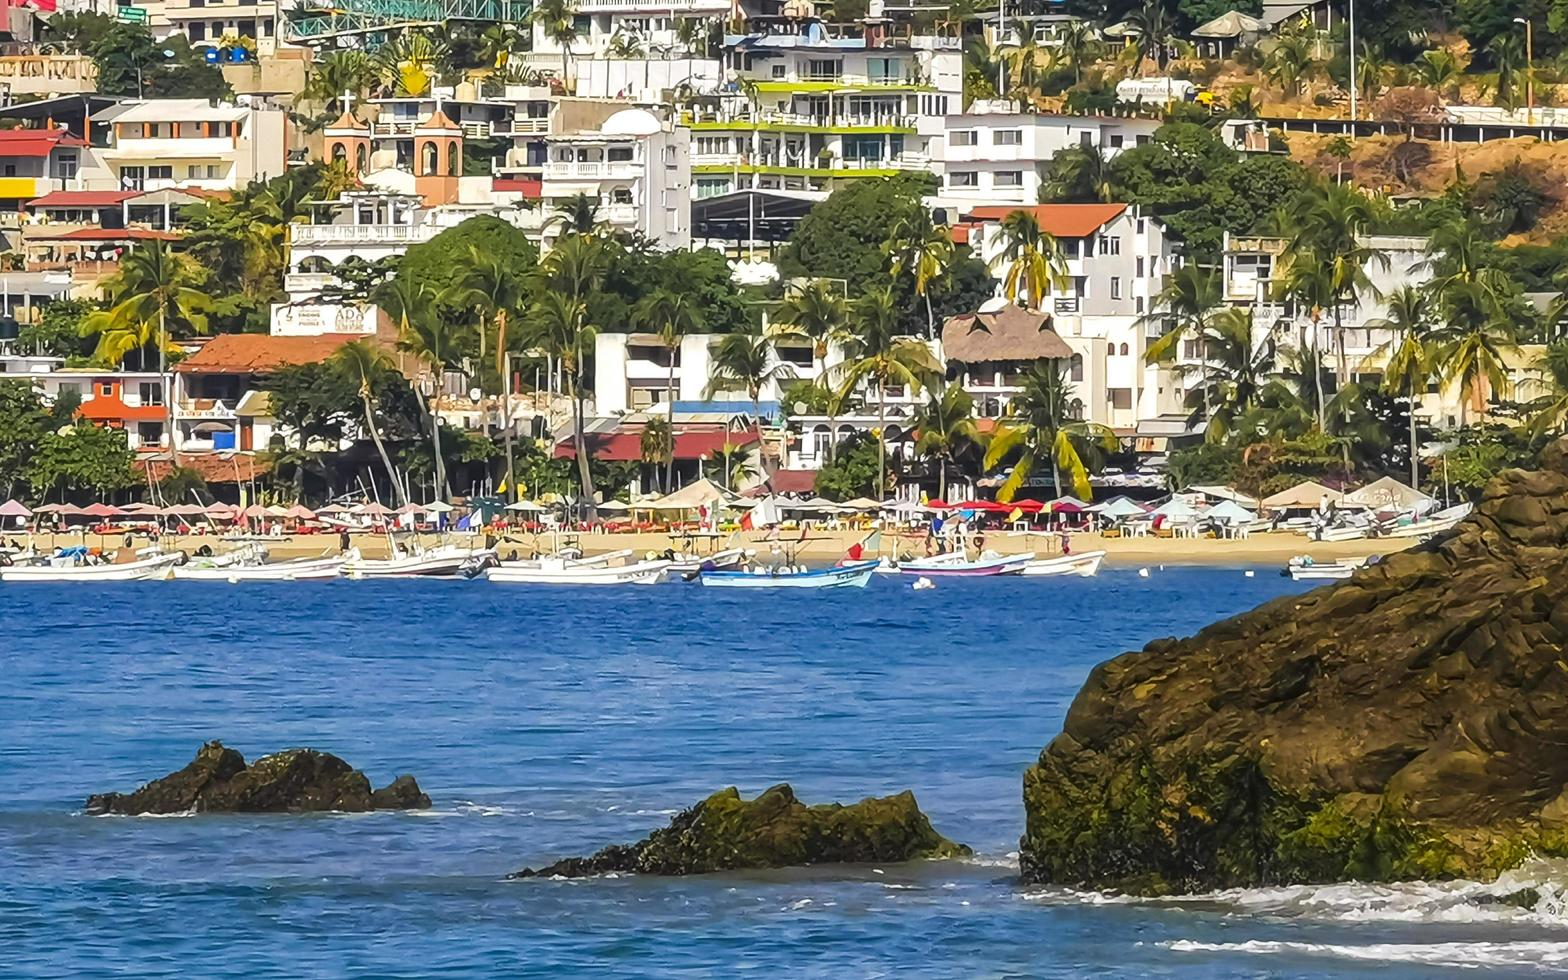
{"x": 82, "y": 199}
{"x": 625, "y": 446}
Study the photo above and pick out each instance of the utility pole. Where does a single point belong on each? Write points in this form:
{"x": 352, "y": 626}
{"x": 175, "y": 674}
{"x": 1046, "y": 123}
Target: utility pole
{"x": 1529, "y": 69}
{"x": 1355, "y": 83}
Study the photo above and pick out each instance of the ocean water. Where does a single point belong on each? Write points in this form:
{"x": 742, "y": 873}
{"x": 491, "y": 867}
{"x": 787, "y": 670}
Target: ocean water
{"x": 549, "y": 722}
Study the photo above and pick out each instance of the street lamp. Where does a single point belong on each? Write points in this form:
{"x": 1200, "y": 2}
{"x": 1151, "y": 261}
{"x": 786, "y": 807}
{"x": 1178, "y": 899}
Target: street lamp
{"x": 1529, "y": 69}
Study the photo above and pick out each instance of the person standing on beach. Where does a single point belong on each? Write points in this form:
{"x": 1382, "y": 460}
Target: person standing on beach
{"x": 343, "y": 540}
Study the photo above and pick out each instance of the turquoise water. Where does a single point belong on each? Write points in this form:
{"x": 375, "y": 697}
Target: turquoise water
{"x": 548, "y": 722}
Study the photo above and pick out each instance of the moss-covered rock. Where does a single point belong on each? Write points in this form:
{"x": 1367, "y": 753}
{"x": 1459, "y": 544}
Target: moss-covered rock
{"x": 1411, "y": 722}
{"x": 775, "y": 830}
{"x": 298, "y": 780}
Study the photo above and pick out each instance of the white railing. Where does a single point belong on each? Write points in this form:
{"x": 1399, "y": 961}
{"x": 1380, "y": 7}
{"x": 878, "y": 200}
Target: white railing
{"x": 653, "y": 9}
{"x": 361, "y": 234}
{"x": 620, "y": 214}
{"x": 591, "y": 170}
{"x": 743, "y": 115}
{"x": 307, "y": 282}
{"x": 187, "y": 409}
{"x": 526, "y": 126}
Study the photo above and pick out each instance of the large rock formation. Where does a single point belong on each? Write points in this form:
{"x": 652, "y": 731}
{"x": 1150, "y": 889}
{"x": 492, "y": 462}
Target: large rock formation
{"x": 1411, "y": 722}
{"x": 298, "y": 780}
{"x": 775, "y": 830}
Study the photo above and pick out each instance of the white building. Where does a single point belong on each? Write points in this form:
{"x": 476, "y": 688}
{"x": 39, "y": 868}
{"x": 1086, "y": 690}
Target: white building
{"x": 632, "y": 371}
{"x": 187, "y": 143}
{"x": 628, "y": 25}
{"x": 129, "y": 401}
{"x": 994, "y": 154}
{"x": 637, "y": 166}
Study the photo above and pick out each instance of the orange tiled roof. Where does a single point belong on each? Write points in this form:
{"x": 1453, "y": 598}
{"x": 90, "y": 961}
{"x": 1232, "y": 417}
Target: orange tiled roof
{"x": 252, "y": 353}
{"x": 1060, "y": 220}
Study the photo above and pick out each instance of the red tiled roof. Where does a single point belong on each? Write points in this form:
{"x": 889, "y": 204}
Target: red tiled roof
{"x": 82, "y": 199}
{"x": 114, "y": 235}
{"x": 625, "y": 444}
{"x": 528, "y": 187}
{"x": 1060, "y": 220}
{"x": 254, "y": 353}
{"x": 792, "y": 481}
{"x": 212, "y": 467}
{"x": 35, "y": 142}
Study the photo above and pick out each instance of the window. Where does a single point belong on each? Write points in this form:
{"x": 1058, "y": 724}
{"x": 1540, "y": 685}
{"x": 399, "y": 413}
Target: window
{"x": 149, "y": 433}
{"x": 961, "y": 137}
{"x": 10, "y": 170}
{"x": 131, "y": 179}
{"x": 1142, "y": 225}
{"x": 454, "y": 159}
{"x": 885, "y": 69}
{"x": 621, "y": 195}
{"x": 1008, "y": 137}
{"x": 1072, "y": 248}
{"x": 160, "y": 173}
{"x": 428, "y": 159}
{"x": 198, "y": 29}
{"x": 1139, "y": 265}
{"x": 1076, "y": 366}
{"x": 712, "y": 186}
{"x": 1086, "y": 139}
{"x": 1110, "y": 245}
{"x": 359, "y": 158}
{"x": 1009, "y": 178}
{"x": 1124, "y": 349}
{"x": 1116, "y": 287}
{"x": 1121, "y": 399}
{"x": 1137, "y": 302}
{"x": 824, "y": 69}
{"x": 1116, "y": 141}
{"x": 778, "y": 71}
{"x": 152, "y": 393}
{"x": 106, "y": 391}
{"x": 619, "y": 154}
{"x": 963, "y": 178}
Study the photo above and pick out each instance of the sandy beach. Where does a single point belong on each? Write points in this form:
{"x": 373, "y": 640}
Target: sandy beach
{"x": 819, "y": 547}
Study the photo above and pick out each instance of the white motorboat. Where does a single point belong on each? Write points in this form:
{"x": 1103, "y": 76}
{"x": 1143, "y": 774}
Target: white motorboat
{"x": 1304, "y": 569}
{"x": 853, "y": 576}
{"x": 556, "y": 570}
{"x": 435, "y": 562}
{"x": 958, "y": 564}
{"x": 1085, "y": 565}
{"x": 76, "y": 565}
{"x": 1443, "y": 520}
{"x": 1346, "y": 532}
{"x": 297, "y": 570}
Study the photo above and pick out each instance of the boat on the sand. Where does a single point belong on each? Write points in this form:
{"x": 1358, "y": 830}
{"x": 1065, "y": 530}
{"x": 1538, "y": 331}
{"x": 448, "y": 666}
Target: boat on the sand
{"x": 443, "y": 561}
{"x": 76, "y": 564}
{"x": 561, "y": 570}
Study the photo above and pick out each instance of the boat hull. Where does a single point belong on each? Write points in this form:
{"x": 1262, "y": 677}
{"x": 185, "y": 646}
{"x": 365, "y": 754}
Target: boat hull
{"x": 1008, "y": 565}
{"x": 431, "y": 564}
{"x": 1085, "y": 565}
{"x": 148, "y": 568}
{"x": 642, "y": 573}
{"x": 838, "y": 577}
{"x": 302, "y": 571}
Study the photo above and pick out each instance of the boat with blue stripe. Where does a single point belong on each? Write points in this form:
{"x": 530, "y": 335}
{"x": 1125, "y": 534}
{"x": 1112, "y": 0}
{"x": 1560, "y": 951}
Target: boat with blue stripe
{"x": 850, "y": 576}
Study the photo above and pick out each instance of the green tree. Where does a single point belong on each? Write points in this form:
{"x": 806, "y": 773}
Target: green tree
{"x": 336, "y": 72}
{"x": 854, "y": 472}
{"x": 1044, "y": 421}
{"x": 1238, "y": 361}
{"x": 58, "y": 330}
{"x": 1078, "y": 175}
{"x": 657, "y": 447}
{"x": 556, "y": 19}
{"x": 368, "y": 366}
{"x": 745, "y": 362}
{"x": 431, "y": 338}
{"x": 818, "y": 314}
{"x": 1474, "y": 343}
{"x": 80, "y": 458}
{"x": 442, "y": 262}
{"x": 24, "y": 421}
{"x": 672, "y": 317}
{"x": 1410, "y": 356}
{"x": 1034, "y": 260}
{"x": 1548, "y": 411}
{"x": 154, "y": 294}
{"x": 946, "y": 427}
{"x": 1181, "y": 310}
{"x": 498, "y": 292}
{"x": 876, "y": 354}
{"x": 923, "y": 251}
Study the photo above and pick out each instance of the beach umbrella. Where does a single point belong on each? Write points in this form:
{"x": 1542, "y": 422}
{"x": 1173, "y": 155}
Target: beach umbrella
{"x": 940, "y": 505}
{"x": 254, "y": 510}
{"x": 410, "y": 509}
{"x": 300, "y": 512}
{"x": 524, "y": 507}
{"x": 185, "y": 510}
{"x": 140, "y": 508}
{"x": 1229, "y": 512}
{"x": 862, "y": 504}
{"x": 227, "y": 512}
{"x": 439, "y": 507}
{"x": 615, "y": 506}
{"x": 373, "y": 509}
{"x": 1118, "y": 507}
{"x": 1175, "y": 509}
{"x": 333, "y": 509}
{"x": 100, "y": 510}
{"x": 14, "y": 508}
{"x": 277, "y": 510}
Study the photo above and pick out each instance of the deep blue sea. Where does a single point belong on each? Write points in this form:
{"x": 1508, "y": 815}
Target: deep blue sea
{"x": 549, "y": 722}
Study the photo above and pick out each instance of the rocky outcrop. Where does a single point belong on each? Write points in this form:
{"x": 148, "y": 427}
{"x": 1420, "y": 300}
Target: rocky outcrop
{"x": 298, "y": 780}
{"x": 775, "y": 830}
{"x": 1411, "y": 722}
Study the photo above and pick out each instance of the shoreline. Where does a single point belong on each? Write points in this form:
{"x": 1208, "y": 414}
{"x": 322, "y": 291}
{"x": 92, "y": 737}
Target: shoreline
{"x": 1272, "y": 548}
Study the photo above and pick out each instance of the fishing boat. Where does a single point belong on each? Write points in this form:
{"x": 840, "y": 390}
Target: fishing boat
{"x": 1443, "y": 520}
{"x": 434, "y": 562}
{"x": 559, "y": 570}
{"x": 296, "y": 570}
{"x": 957, "y": 563}
{"x": 851, "y": 576}
{"x": 78, "y": 565}
{"x": 1085, "y": 565}
{"x": 729, "y": 559}
{"x": 1304, "y": 569}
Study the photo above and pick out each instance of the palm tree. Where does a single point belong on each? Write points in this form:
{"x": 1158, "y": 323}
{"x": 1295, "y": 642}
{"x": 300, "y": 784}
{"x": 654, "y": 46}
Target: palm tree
{"x": 498, "y": 293}
{"x": 577, "y": 215}
{"x": 558, "y": 20}
{"x": 1548, "y": 411}
{"x": 1438, "y": 69}
{"x": 1035, "y": 264}
{"x": 1181, "y": 309}
{"x": 672, "y": 316}
{"x": 1079, "y": 174}
{"x": 1152, "y": 25}
{"x": 412, "y": 61}
{"x": 1474, "y": 341}
{"x": 1290, "y": 63}
{"x": 657, "y": 447}
{"x": 946, "y": 427}
{"x": 367, "y": 364}
{"x": 429, "y": 337}
{"x": 1372, "y": 69}
{"x": 558, "y": 324}
{"x": 1508, "y": 57}
{"x": 734, "y": 465}
{"x": 1410, "y": 356}
{"x": 154, "y": 286}
{"x": 1237, "y": 364}
{"x": 1305, "y": 279}
{"x": 923, "y": 250}
{"x": 1078, "y": 44}
{"x": 877, "y": 354}
{"x": 1043, "y": 422}
{"x": 496, "y": 43}
{"x": 817, "y": 314}
{"x": 745, "y": 362}
{"x": 1457, "y": 254}
{"x": 338, "y": 72}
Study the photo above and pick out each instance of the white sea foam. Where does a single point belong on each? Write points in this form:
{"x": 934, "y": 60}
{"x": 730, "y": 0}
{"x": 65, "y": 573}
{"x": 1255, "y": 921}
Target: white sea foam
{"x": 1008, "y": 860}
{"x": 1460, "y": 955}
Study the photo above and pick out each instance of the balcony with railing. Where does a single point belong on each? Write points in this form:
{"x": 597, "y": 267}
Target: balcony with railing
{"x": 301, "y": 235}
{"x": 746, "y": 117}
{"x": 298, "y": 283}
{"x": 592, "y": 170}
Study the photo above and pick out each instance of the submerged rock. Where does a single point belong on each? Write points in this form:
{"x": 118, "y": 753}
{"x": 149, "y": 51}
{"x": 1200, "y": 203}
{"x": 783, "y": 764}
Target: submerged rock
{"x": 297, "y": 780}
{"x": 1411, "y": 722}
{"x": 775, "y": 830}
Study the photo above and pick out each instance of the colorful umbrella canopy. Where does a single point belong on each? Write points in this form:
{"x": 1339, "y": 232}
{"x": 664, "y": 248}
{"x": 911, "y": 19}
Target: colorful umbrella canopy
{"x": 14, "y": 508}
{"x": 373, "y": 510}
{"x": 440, "y": 507}
{"x": 65, "y": 510}
{"x": 274, "y": 510}
{"x": 100, "y": 510}
{"x": 221, "y": 510}
{"x": 254, "y": 510}
{"x": 300, "y": 512}
{"x": 410, "y": 509}
{"x": 185, "y": 510}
